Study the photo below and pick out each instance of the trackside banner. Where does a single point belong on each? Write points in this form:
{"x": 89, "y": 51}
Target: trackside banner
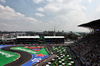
{"x": 35, "y": 59}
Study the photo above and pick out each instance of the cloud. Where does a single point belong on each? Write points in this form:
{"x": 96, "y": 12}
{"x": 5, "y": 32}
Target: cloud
{"x": 89, "y": 1}
{"x": 3, "y": 1}
{"x": 39, "y": 14}
{"x": 96, "y": 13}
{"x": 38, "y": 1}
{"x": 8, "y": 13}
{"x": 56, "y": 6}
{"x": 40, "y": 9}
{"x": 52, "y": 8}
{"x": 55, "y": 1}
{"x": 67, "y": 14}
{"x": 98, "y": 9}
{"x": 62, "y": 14}
{"x": 12, "y": 20}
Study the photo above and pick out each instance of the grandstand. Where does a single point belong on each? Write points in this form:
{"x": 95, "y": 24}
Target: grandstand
{"x": 27, "y": 39}
{"x": 39, "y": 39}
{"x": 54, "y": 39}
{"x": 87, "y": 49}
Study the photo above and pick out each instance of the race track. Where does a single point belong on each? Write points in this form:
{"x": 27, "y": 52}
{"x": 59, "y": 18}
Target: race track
{"x": 24, "y": 57}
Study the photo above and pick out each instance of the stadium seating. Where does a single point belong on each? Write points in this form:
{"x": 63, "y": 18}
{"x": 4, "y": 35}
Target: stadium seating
{"x": 88, "y": 48}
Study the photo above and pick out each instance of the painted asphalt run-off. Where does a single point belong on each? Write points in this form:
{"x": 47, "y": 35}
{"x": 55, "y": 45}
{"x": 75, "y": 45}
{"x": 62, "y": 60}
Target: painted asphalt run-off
{"x": 38, "y": 54}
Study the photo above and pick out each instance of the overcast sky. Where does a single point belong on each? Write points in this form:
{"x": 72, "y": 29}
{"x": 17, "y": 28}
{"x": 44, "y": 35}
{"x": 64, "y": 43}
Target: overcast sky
{"x": 41, "y": 15}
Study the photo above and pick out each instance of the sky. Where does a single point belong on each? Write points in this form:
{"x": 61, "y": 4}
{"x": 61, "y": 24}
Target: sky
{"x": 41, "y": 15}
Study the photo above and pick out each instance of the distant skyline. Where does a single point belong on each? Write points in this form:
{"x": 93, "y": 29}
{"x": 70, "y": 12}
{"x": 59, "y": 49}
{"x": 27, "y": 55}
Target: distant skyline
{"x": 41, "y": 15}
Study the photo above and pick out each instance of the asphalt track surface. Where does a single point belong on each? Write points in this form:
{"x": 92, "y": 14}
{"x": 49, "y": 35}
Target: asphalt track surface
{"x": 24, "y": 57}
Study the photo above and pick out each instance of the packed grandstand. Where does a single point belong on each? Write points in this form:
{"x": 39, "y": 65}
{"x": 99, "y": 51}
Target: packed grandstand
{"x": 88, "y": 48}
{"x": 83, "y": 52}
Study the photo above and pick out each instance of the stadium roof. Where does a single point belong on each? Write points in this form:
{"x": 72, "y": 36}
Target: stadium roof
{"x": 28, "y": 37}
{"x": 54, "y": 37}
{"x": 93, "y": 24}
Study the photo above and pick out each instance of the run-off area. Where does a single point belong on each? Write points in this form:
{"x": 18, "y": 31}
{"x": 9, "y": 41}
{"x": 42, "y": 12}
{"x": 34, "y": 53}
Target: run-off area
{"x": 7, "y": 57}
{"x": 38, "y": 54}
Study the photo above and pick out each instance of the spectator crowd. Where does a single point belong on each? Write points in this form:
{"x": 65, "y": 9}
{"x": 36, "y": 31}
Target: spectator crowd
{"x": 88, "y": 48}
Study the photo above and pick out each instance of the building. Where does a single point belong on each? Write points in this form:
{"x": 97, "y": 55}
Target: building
{"x": 27, "y": 39}
{"x": 54, "y": 39}
{"x": 39, "y": 39}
